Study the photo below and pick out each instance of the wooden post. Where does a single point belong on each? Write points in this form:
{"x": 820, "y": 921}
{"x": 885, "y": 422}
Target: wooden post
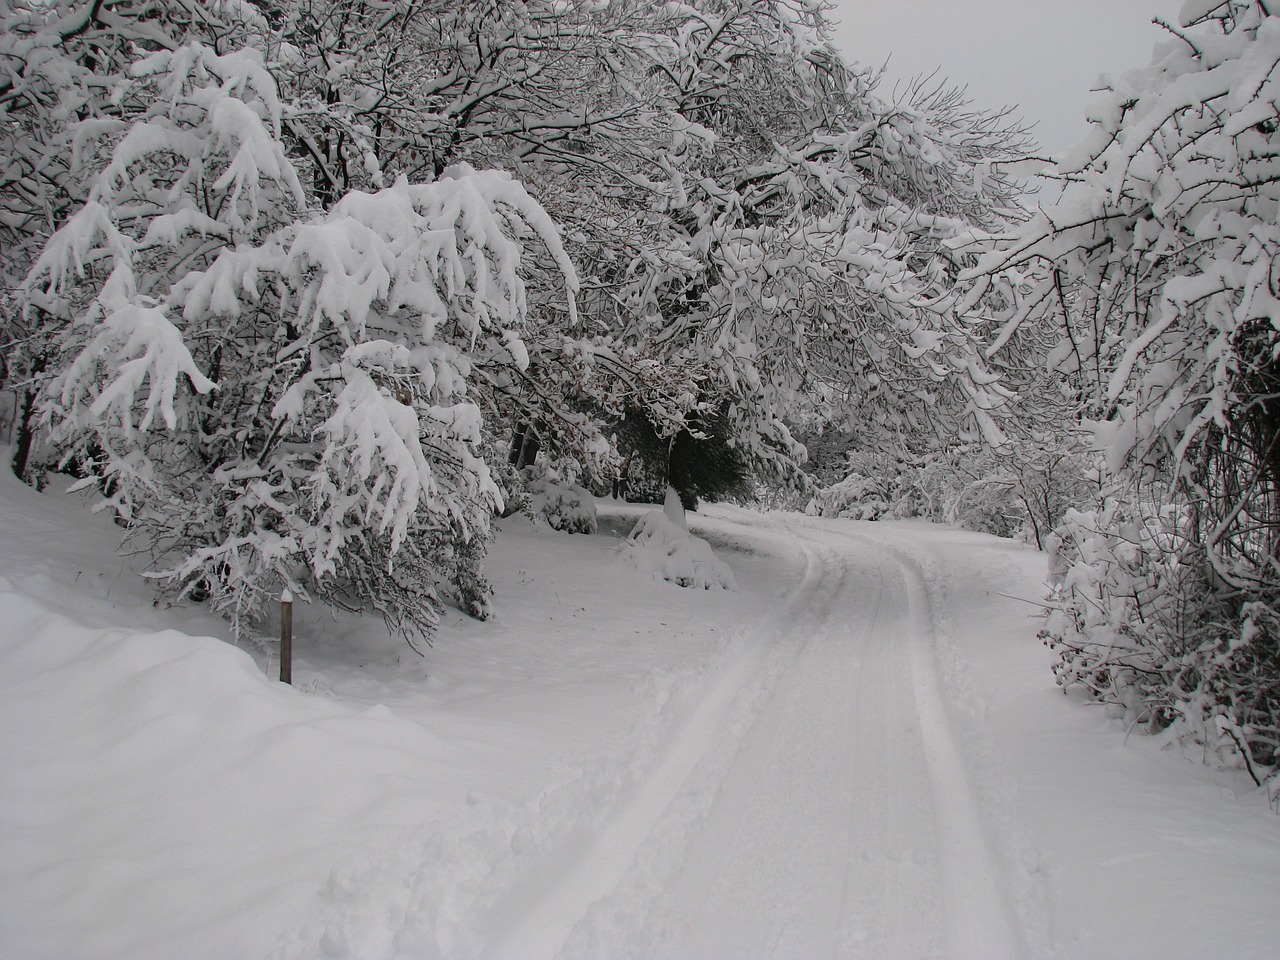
{"x": 286, "y": 636}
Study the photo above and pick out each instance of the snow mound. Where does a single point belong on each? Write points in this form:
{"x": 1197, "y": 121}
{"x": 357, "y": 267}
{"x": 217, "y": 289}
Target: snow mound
{"x": 167, "y": 785}
{"x": 665, "y": 550}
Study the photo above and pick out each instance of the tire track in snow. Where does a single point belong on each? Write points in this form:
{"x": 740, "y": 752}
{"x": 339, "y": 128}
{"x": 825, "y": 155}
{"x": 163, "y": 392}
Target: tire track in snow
{"x": 762, "y": 871}
{"x": 821, "y": 843}
{"x": 978, "y": 913}
{"x": 543, "y": 929}
{"x": 848, "y": 826}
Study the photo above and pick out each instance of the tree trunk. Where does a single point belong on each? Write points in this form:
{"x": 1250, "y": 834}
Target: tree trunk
{"x": 26, "y": 426}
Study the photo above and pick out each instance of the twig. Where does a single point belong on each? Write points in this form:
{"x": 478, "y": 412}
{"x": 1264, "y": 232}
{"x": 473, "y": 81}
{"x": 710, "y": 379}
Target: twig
{"x": 1248, "y": 759}
{"x": 1009, "y": 596}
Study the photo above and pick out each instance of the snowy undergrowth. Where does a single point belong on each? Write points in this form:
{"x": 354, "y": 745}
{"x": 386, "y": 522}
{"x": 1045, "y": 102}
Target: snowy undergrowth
{"x": 559, "y": 500}
{"x": 1137, "y": 621}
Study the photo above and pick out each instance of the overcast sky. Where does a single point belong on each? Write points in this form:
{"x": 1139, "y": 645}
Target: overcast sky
{"x": 1042, "y": 55}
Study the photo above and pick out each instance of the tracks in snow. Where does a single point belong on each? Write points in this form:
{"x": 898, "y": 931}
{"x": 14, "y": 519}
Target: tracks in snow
{"x": 978, "y": 918}
{"x": 814, "y": 803}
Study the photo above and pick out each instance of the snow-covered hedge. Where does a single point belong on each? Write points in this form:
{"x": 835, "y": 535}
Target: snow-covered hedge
{"x": 1138, "y": 618}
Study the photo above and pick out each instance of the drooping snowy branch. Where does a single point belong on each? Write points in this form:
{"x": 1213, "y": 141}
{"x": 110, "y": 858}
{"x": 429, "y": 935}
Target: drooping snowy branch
{"x": 1158, "y": 266}
{"x": 270, "y": 392}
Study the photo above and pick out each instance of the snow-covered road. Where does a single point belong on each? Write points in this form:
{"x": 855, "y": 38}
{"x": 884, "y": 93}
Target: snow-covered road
{"x": 813, "y": 804}
{"x": 858, "y": 754}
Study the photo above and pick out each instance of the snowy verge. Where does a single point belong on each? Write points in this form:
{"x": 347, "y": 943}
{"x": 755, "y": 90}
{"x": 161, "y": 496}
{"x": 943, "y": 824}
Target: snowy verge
{"x": 164, "y": 798}
{"x": 149, "y": 756}
{"x": 667, "y": 552}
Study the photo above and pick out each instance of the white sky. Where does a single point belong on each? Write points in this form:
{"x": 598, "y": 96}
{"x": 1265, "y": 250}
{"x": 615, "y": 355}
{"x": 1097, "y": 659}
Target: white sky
{"x": 1042, "y": 55}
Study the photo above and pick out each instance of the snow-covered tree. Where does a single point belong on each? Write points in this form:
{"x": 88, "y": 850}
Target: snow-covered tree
{"x": 269, "y": 394}
{"x": 809, "y": 214}
{"x": 1155, "y": 281}
{"x": 257, "y": 266}
{"x": 64, "y": 80}
{"x": 754, "y": 226}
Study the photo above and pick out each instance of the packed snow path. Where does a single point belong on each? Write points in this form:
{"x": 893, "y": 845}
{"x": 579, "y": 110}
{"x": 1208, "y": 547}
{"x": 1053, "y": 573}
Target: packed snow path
{"x": 859, "y": 754}
{"x": 813, "y": 805}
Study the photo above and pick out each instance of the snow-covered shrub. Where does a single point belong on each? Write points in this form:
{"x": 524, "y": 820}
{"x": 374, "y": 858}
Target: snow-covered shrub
{"x": 461, "y": 568}
{"x": 863, "y": 484}
{"x": 554, "y": 496}
{"x": 1137, "y": 619}
{"x": 1019, "y": 490}
{"x": 1150, "y": 288}
{"x": 855, "y": 497}
{"x": 663, "y": 548}
{"x": 509, "y": 481}
{"x": 767, "y": 495}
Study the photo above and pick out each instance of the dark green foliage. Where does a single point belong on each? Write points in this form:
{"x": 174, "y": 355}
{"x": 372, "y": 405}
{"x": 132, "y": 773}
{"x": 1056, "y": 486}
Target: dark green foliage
{"x": 700, "y": 462}
{"x": 705, "y": 466}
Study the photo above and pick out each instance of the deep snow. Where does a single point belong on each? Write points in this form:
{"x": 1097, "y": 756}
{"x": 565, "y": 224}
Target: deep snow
{"x": 859, "y": 752}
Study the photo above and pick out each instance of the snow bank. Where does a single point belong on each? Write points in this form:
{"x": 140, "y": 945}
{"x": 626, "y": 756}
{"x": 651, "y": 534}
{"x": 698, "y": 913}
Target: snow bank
{"x": 163, "y": 796}
{"x": 660, "y": 547}
{"x": 168, "y": 785}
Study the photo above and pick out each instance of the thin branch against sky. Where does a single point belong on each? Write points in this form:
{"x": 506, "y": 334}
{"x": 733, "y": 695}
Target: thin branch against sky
{"x": 1042, "y": 56}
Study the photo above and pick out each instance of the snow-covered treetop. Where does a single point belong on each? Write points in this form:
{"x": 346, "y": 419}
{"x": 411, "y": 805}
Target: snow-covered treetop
{"x": 1153, "y": 278}
{"x": 216, "y": 340}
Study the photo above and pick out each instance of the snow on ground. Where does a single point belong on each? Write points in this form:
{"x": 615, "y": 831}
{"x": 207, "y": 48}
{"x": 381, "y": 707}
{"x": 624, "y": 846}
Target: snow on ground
{"x": 859, "y": 752}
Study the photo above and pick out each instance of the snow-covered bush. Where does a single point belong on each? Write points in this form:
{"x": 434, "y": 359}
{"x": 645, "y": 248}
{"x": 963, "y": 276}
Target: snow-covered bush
{"x": 1137, "y": 619}
{"x": 554, "y": 496}
{"x": 862, "y": 484}
{"x": 855, "y": 497}
{"x": 1018, "y": 490}
{"x": 669, "y": 552}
